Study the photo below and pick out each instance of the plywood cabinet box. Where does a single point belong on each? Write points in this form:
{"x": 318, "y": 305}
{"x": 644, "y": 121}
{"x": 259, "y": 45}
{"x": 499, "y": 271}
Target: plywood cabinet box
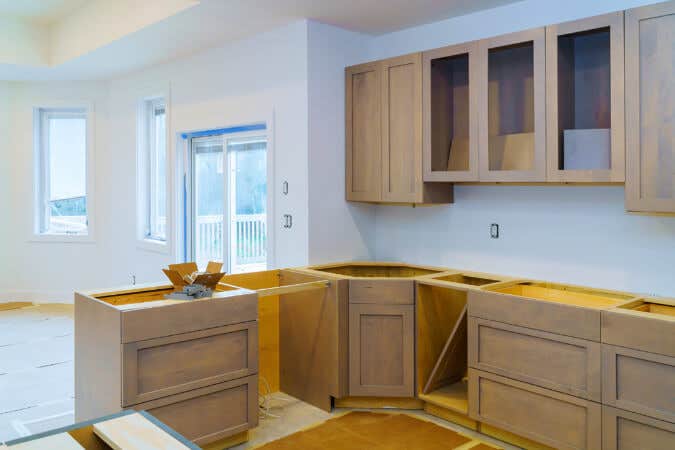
{"x": 134, "y": 349}
{"x": 384, "y": 134}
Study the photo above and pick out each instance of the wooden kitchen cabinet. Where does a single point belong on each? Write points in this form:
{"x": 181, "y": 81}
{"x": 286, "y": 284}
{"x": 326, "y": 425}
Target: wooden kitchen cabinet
{"x": 450, "y": 103}
{"x": 381, "y": 350}
{"x": 650, "y": 95}
{"x": 363, "y": 89}
{"x": 384, "y": 134}
{"x": 585, "y": 100}
{"x": 512, "y": 109}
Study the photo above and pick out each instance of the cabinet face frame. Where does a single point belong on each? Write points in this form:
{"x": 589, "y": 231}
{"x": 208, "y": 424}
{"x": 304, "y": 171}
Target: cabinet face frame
{"x": 616, "y": 173}
{"x": 538, "y": 172}
{"x": 634, "y": 200}
{"x": 373, "y": 155}
{"x": 407, "y": 315}
{"x": 470, "y": 49}
{"x": 389, "y": 113}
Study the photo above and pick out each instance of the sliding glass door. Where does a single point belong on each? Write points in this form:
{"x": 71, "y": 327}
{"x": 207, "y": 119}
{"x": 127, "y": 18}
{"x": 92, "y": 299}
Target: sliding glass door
{"x": 226, "y": 202}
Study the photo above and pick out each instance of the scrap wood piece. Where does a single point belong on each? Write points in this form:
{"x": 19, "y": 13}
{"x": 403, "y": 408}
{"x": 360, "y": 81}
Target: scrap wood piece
{"x": 135, "y": 432}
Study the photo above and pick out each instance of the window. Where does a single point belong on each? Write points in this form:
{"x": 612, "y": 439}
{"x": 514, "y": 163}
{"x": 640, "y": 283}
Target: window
{"x": 62, "y": 179}
{"x": 153, "y": 173}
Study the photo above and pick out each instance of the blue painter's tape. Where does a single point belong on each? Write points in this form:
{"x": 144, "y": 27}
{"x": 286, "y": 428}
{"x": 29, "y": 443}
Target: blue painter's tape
{"x": 229, "y": 130}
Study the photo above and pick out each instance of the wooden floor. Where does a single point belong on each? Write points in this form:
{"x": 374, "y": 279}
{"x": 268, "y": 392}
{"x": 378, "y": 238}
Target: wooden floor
{"x": 36, "y": 369}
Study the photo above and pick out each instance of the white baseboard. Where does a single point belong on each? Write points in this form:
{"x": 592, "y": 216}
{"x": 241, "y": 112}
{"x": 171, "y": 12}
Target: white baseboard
{"x": 35, "y": 296}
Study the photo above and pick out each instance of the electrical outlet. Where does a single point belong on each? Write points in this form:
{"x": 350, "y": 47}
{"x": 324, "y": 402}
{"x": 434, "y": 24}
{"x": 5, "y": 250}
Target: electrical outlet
{"x": 494, "y": 231}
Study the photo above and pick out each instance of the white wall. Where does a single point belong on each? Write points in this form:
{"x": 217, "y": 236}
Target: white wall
{"x": 5, "y": 197}
{"x": 569, "y": 234}
{"x": 50, "y": 271}
{"x": 338, "y": 230}
{"x": 239, "y": 83}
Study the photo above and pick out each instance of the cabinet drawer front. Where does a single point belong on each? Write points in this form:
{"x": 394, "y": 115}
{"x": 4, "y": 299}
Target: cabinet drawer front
{"x": 623, "y": 430}
{"x": 159, "y": 367}
{"x": 548, "y": 360}
{"x": 583, "y": 323}
{"x": 649, "y": 334}
{"x": 209, "y": 414}
{"x": 381, "y": 350}
{"x": 382, "y": 291}
{"x": 545, "y": 416}
{"x": 638, "y": 381}
{"x": 142, "y": 324}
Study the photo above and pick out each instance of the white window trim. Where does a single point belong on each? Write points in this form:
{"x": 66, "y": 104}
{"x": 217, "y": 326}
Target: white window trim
{"x": 39, "y": 165}
{"x": 142, "y": 199}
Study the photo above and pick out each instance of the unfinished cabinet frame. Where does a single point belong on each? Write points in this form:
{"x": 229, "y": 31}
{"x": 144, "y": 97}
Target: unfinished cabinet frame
{"x": 363, "y": 90}
{"x": 585, "y": 99}
{"x": 650, "y": 95}
{"x": 512, "y": 109}
{"x": 450, "y": 105}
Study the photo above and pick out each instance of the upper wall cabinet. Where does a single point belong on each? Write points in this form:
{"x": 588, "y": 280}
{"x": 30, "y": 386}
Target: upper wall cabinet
{"x": 585, "y": 100}
{"x": 650, "y": 110}
{"x": 450, "y": 105}
{"x": 384, "y": 134}
{"x": 512, "y": 110}
{"x": 363, "y": 132}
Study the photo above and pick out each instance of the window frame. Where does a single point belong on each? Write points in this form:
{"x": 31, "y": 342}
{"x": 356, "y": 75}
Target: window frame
{"x": 145, "y": 177}
{"x": 41, "y": 114}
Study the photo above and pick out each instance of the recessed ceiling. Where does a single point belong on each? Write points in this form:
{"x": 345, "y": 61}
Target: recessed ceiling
{"x": 43, "y": 12}
{"x": 200, "y": 23}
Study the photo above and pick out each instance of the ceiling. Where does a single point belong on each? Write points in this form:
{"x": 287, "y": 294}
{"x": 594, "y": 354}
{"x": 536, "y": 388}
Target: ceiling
{"x": 42, "y": 12}
{"x": 201, "y": 24}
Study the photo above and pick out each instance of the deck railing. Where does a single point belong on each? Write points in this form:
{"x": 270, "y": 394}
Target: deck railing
{"x": 248, "y": 243}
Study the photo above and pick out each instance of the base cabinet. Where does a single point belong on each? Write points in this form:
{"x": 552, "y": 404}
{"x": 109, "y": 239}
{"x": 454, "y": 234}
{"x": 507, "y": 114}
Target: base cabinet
{"x": 381, "y": 350}
{"x": 558, "y": 420}
{"x": 623, "y": 430}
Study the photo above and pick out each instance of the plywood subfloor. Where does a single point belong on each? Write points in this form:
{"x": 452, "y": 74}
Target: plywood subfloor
{"x": 376, "y": 431}
{"x": 36, "y": 369}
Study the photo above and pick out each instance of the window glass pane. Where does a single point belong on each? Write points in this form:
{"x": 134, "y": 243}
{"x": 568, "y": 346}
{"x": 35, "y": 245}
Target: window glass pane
{"x": 65, "y": 187}
{"x": 157, "y": 176}
{"x": 209, "y": 200}
{"x": 248, "y": 193}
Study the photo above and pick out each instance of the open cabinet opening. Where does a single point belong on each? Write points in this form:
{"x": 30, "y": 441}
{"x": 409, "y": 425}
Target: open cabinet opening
{"x": 450, "y": 150}
{"x": 584, "y": 100}
{"x": 442, "y": 347}
{"x": 511, "y": 107}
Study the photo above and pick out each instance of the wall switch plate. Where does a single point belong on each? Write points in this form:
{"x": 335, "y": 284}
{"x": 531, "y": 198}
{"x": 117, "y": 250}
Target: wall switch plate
{"x": 494, "y": 231}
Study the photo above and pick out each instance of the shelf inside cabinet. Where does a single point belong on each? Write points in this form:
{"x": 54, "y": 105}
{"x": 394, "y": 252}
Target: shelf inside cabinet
{"x": 511, "y": 140}
{"x": 450, "y": 149}
{"x": 452, "y": 396}
{"x": 584, "y": 100}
